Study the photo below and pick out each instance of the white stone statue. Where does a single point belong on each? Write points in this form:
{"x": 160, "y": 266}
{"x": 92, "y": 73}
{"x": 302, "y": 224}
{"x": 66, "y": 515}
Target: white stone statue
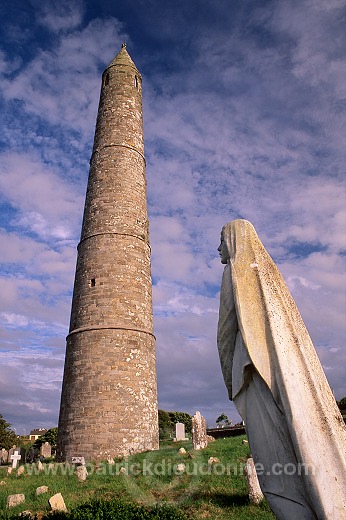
{"x": 296, "y": 433}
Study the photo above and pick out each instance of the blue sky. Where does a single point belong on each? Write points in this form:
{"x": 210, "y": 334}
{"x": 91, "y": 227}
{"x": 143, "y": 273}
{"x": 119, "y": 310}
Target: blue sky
{"x": 244, "y": 114}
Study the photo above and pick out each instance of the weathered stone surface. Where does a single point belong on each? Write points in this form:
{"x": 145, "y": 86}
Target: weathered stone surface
{"x": 40, "y": 466}
{"x": 81, "y": 473}
{"x": 122, "y": 470}
{"x": 181, "y": 467}
{"x": 199, "y": 432}
{"x": 110, "y": 461}
{"x": 46, "y": 450}
{"x": 255, "y": 493}
{"x": 20, "y": 471}
{"x": 57, "y": 503}
{"x": 111, "y": 346}
{"x": 9, "y": 471}
{"x": 182, "y": 451}
{"x": 213, "y": 460}
{"x": 180, "y": 432}
{"x": 41, "y": 489}
{"x": 210, "y": 438}
{"x": 14, "y": 500}
{"x": 3, "y": 456}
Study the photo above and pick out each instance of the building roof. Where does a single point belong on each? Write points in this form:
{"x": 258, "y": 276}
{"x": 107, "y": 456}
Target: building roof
{"x": 38, "y": 431}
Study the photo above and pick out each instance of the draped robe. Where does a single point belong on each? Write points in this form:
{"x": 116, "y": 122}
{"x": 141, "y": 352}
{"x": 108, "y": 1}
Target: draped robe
{"x": 274, "y": 377}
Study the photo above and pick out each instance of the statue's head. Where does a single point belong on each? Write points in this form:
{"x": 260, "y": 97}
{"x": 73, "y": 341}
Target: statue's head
{"x": 232, "y": 235}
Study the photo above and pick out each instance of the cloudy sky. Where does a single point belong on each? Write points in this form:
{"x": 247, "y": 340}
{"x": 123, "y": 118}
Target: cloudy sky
{"x": 244, "y": 113}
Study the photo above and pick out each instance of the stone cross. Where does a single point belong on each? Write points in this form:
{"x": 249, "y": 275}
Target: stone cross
{"x": 199, "y": 432}
{"x": 15, "y": 458}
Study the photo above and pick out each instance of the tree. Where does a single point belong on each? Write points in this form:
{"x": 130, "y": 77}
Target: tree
{"x": 167, "y": 421}
{"x": 8, "y": 437}
{"x": 223, "y": 421}
{"x": 165, "y": 424}
{"x": 342, "y": 403}
{"x": 50, "y": 436}
{"x": 182, "y": 417}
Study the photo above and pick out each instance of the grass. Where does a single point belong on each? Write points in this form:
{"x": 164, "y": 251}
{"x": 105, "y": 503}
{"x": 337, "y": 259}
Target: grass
{"x": 201, "y": 491}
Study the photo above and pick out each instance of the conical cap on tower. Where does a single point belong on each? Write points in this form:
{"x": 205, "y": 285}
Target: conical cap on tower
{"x": 123, "y": 58}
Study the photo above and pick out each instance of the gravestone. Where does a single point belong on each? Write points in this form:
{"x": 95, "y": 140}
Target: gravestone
{"x": 41, "y": 489}
{"x": 81, "y": 473}
{"x": 199, "y": 432}
{"x": 14, "y": 500}
{"x": 3, "y": 456}
{"x": 22, "y": 453}
{"x": 11, "y": 452}
{"x": 20, "y": 470}
{"x": 15, "y": 458}
{"x": 57, "y": 503}
{"x": 46, "y": 450}
{"x": 254, "y": 490}
{"x": 78, "y": 460}
{"x": 180, "y": 432}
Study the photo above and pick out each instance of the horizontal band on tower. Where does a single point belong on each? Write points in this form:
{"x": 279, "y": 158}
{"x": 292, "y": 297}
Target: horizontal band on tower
{"x": 118, "y": 146}
{"x": 114, "y": 233}
{"x": 101, "y": 327}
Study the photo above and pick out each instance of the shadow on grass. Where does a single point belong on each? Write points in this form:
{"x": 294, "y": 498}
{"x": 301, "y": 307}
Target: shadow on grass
{"x": 222, "y": 499}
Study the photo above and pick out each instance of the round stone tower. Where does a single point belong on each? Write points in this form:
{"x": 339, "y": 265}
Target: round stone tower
{"x": 109, "y": 396}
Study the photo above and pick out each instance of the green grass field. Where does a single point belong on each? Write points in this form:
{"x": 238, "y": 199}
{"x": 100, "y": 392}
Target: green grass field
{"x": 215, "y": 491}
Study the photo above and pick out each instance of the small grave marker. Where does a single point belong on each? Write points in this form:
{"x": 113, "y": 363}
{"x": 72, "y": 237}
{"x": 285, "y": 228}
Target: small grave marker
{"x": 15, "y": 458}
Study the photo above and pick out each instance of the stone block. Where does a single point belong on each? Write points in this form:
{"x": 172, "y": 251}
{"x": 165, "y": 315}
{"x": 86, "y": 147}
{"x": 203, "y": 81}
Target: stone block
{"x": 14, "y": 500}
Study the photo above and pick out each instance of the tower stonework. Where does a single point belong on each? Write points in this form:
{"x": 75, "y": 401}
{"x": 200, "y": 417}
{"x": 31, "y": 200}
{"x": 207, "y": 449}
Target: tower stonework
{"x": 109, "y": 396}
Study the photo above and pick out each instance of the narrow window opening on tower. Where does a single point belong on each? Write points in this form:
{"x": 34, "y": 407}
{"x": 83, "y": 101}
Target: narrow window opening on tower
{"x": 107, "y": 79}
{"x": 92, "y": 282}
{"x": 135, "y": 82}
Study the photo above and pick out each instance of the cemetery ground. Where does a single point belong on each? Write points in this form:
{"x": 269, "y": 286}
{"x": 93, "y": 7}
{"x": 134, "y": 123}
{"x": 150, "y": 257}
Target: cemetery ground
{"x": 217, "y": 490}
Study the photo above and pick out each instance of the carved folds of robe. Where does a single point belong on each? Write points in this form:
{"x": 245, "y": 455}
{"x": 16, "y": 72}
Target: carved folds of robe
{"x": 273, "y": 375}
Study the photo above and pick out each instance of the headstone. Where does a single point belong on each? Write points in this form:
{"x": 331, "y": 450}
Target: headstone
{"x": 180, "y": 432}
{"x": 46, "y": 450}
{"x": 213, "y": 460}
{"x": 22, "y": 453}
{"x": 3, "y": 456}
{"x": 181, "y": 468}
{"x": 40, "y": 466}
{"x": 182, "y": 451}
{"x": 81, "y": 473}
{"x": 15, "y": 458}
{"x": 57, "y": 503}
{"x": 41, "y": 489}
{"x": 11, "y": 452}
{"x": 14, "y": 500}
{"x": 20, "y": 470}
{"x": 78, "y": 460}
{"x": 254, "y": 490}
{"x": 199, "y": 432}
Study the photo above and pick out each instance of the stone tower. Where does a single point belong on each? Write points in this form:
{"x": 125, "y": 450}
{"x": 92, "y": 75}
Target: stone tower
{"x": 109, "y": 397}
